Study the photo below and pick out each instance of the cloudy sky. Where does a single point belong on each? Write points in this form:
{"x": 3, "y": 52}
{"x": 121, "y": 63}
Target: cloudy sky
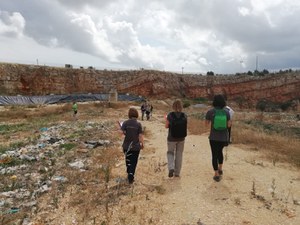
{"x": 189, "y": 36}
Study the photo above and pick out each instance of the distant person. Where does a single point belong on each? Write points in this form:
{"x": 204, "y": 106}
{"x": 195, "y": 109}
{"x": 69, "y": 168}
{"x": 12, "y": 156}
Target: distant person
{"x": 75, "y": 110}
{"x": 151, "y": 109}
{"x": 231, "y": 112}
{"x": 176, "y": 122}
{"x": 133, "y": 142}
{"x": 143, "y": 109}
{"x": 219, "y": 120}
{"x": 148, "y": 111}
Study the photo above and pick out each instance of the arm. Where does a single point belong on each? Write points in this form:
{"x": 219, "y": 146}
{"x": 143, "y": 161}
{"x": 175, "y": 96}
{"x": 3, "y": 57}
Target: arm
{"x": 207, "y": 123}
{"x": 141, "y": 140}
{"x": 167, "y": 123}
{"x": 120, "y": 125}
{"x": 229, "y": 123}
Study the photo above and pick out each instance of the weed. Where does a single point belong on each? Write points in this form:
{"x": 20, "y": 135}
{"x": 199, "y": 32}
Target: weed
{"x": 67, "y": 146}
{"x": 160, "y": 189}
{"x": 237, "y": 201}
{"x": 107, "y": 173}
{"x": 273, "y": 187}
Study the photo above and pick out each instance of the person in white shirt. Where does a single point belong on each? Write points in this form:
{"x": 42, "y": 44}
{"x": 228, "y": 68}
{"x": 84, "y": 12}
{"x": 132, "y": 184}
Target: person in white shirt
{"x": 231, "y": 112}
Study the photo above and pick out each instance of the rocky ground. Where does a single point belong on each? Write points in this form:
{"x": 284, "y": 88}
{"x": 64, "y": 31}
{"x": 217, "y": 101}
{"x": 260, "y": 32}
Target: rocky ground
{"x": 73, "y": 172}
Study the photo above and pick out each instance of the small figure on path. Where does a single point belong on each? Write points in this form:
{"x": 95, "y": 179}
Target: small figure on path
{"x": 75, "y": 110}
{"x": 148, "y": 110}
{"x": 231, "y": 112}
{"x": 143, "y": 109}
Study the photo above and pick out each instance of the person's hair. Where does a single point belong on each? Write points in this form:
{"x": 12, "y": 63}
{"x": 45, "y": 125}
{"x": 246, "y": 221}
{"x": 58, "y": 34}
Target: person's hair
{"x": 219, "y": 101}
{"x": 177, "y": 105}
{"x": 133, "y": 113}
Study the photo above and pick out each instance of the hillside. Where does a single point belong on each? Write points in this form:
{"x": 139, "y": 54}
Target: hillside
{"x": 245, "y": 90}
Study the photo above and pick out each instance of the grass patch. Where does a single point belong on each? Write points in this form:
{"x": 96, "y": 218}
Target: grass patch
{"x": 67, "y": 146}
{"x": 277, "y": 146}
{"x": 12, "y": 128}
{"x": 272, "y": 128}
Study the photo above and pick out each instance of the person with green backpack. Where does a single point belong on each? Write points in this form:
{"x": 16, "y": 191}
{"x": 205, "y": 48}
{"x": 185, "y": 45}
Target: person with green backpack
{"x": 219, "y": 120}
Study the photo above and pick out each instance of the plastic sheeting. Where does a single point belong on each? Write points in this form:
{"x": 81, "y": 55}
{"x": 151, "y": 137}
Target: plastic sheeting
{"x": 52, "y": 99}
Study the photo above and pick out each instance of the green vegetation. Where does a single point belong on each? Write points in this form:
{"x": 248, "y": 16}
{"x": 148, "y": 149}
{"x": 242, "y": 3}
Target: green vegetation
{"x": 272, "y": 128}
{"x": 67, "y": 146}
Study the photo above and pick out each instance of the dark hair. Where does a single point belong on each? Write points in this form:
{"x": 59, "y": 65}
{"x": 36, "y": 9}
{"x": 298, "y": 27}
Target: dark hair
{"x": 133, "y": 113}
{"x": 219, "y": 101}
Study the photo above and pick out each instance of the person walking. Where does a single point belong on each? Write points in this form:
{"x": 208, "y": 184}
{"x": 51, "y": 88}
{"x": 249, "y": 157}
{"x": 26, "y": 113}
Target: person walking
{"x": 231, "y": 112}
{"x": 219, "y": 120}
{"x": 133, "y": 142}
{"x": 143, "y": 109}
{"x": 148, "y": 110}
{"x": 75, "y": 110}
{"x": 176, "y": 123}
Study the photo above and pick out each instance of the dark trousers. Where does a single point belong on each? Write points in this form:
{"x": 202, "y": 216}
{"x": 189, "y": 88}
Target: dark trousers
{"x": 217, "y": 153}
{"x": 148, "y": 115}
{"x": 131, "y": 160}
{"x": 143, "y": 113}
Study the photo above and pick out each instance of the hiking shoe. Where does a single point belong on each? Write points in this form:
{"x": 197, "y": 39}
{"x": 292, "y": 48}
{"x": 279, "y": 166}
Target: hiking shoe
{"x": 177, "y": 175}
{"x": 217, "y": 178}
{"x": 220, "y": 172}
{"x": 171, "y": 173}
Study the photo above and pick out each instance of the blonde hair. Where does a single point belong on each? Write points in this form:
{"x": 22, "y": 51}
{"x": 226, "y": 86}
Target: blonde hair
{"x": 177, "y": 105}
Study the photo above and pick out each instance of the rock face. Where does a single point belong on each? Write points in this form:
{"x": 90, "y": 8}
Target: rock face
{"x": 16, "y": 79}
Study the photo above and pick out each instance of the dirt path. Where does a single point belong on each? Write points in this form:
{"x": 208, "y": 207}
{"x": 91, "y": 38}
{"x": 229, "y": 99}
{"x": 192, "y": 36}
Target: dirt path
{"x": 252, "y": 191}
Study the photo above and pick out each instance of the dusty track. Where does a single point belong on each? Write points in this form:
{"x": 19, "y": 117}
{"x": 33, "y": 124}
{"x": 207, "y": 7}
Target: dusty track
{"x": 244, "y": 195}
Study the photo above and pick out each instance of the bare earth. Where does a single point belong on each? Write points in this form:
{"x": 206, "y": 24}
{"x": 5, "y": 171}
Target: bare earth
{"x": 252, "y": 191}
{"x": 195, "y": 198}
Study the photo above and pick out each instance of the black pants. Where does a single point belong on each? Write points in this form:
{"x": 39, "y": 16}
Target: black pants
{"x": 148, "y": 115}
{"x": 143, "y": 113}
{"x": 217, "y": 153}
{"x": 131, "y": 160}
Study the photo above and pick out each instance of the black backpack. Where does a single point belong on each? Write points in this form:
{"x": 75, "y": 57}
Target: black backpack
{"x": 178, "y": 125}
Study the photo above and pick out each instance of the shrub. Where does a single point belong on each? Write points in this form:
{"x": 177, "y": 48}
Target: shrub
{"x": 186, "y": 103}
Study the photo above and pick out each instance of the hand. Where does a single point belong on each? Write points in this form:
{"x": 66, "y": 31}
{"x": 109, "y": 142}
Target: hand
{"x": 142, "y": 145}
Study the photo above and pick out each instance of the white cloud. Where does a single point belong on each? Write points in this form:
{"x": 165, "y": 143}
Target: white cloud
{"x": 11, "y": 24}
{"x": 199, "y": 35}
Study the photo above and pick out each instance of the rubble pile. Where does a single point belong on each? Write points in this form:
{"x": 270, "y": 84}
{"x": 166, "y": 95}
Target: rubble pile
{"x": 27, "y": 172}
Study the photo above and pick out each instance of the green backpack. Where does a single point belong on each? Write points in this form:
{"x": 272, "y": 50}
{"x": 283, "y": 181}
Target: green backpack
{"x": 220, "y": 120}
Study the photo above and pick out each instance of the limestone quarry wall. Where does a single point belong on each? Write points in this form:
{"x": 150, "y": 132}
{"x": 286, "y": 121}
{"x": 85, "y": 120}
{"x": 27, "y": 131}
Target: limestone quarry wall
{"x": 18, "y": 79}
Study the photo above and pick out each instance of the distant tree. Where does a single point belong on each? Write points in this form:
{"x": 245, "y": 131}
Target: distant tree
{"x": 265, "y": 71}
{"x": 286, "y": 105}
{"x": 256, "y": 73}
{"x": 210, "y": 73}
{"x": 261, "y": 105}
{"x": 249, "y": 73}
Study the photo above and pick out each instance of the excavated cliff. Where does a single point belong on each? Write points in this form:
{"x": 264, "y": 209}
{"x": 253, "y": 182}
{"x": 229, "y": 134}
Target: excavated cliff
{"x": 17, "y": 79}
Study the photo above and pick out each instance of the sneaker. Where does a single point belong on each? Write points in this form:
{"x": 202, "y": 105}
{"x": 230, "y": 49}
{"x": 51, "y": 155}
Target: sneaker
{"x": 217, "y": 178}
{"x": 177, "y": 175}
{"x": 171, "y": 173}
